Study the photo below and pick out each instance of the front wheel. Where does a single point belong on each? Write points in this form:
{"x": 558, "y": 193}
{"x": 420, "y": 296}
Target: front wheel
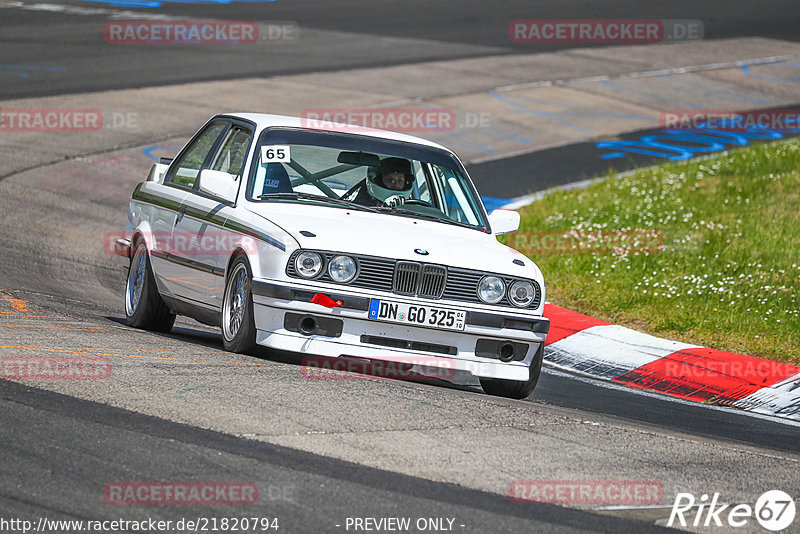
{"x": 238, "y": 325}
{"x": 516, "y": 389}
{"x": 144, "y": 307}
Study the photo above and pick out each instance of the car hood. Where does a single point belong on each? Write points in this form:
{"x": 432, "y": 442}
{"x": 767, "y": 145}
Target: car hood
{"x": 392, "y": 236}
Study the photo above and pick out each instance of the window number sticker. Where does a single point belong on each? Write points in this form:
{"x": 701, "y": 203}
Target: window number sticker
{"x": 275, "y": 154}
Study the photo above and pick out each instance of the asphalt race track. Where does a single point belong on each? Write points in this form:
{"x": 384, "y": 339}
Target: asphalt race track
{"x": 179, "y": 408}
{"x": 305, "y": 492}
{"x": 335, "y": 35}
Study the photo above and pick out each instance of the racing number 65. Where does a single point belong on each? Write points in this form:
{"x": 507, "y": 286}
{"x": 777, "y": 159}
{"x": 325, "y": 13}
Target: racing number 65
{"x": 274, "y": 153}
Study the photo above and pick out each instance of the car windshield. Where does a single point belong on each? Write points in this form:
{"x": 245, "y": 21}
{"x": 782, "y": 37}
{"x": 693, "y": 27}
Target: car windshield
{"x": 344, "y": 170}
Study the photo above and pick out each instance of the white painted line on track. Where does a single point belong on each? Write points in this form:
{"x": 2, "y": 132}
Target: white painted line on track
{"x": 92, "y": 11}
{"x": 524, "y": 200}
{"x": 648, "y": 73}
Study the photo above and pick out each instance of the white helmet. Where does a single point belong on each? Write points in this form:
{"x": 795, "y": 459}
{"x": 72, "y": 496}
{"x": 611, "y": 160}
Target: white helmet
{"x": 376, "y": 187}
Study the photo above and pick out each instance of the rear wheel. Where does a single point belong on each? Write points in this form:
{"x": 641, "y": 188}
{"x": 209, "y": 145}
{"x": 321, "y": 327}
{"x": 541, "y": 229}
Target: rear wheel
{"x": 238, "y": 325}
{"x": 144, "y": 307}
{"x": 516, "y": 389}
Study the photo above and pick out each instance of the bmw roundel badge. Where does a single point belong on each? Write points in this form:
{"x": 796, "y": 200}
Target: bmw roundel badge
{"x": 421, "y": 252}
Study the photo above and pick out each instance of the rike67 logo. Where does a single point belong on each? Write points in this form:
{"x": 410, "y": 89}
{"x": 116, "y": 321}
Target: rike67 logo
{"x": 774, "y": 510}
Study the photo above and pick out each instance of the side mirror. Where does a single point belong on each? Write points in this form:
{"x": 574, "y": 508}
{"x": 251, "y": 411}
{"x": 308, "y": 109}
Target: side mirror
{"x": 504, "y": 221}
{"x": 157, "y": 172}
{"x": 219, "y": 184}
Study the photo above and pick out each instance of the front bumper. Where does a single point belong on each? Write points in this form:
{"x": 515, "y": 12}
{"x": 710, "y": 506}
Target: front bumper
{"x": 347, "y": 332}
{"x": 122, "y": 247}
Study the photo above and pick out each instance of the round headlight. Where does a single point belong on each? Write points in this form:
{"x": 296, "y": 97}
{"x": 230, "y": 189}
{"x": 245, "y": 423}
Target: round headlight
{"x": 521, "y": 293}
{"x": 491, "y": 289}
{"x": 342, "y": 269}
{"x": 308, "y": 264}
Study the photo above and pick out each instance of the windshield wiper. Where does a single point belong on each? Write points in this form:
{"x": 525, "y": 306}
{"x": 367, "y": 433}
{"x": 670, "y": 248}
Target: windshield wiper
{"x": 318, "y": 198}
{"x": 406, "y": 211}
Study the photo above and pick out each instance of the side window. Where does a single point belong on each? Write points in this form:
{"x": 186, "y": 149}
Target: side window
{"x": 231, "y": 154}
{"x": 456, "y": 204}
{"x": 185, "y": 170}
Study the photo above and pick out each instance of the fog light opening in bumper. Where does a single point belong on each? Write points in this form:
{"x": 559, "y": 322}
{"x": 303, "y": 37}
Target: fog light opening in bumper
{"x": 308, "y": 325}
{"x": 506, "y": 352}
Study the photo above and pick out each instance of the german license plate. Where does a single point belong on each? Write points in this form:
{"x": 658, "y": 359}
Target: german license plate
{"x": 416, "y": 315}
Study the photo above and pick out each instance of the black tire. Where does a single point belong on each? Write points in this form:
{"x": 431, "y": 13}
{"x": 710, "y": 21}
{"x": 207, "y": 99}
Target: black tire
{"x": 148, "y": 310}
{"x": 239, "y": 337}
{"x": 515, "y": 389}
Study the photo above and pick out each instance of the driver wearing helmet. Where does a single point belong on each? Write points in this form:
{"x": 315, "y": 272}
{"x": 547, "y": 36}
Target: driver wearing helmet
{"x": 389, "y": 185}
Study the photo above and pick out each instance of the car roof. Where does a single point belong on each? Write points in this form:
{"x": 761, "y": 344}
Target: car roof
{"x": 266, "y": 120}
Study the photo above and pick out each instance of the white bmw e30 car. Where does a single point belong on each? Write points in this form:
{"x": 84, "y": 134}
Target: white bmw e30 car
{"x": 334, "y": 242}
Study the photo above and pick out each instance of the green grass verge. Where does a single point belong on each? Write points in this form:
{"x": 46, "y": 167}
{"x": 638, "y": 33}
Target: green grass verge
{"x": 717, "y": 263}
